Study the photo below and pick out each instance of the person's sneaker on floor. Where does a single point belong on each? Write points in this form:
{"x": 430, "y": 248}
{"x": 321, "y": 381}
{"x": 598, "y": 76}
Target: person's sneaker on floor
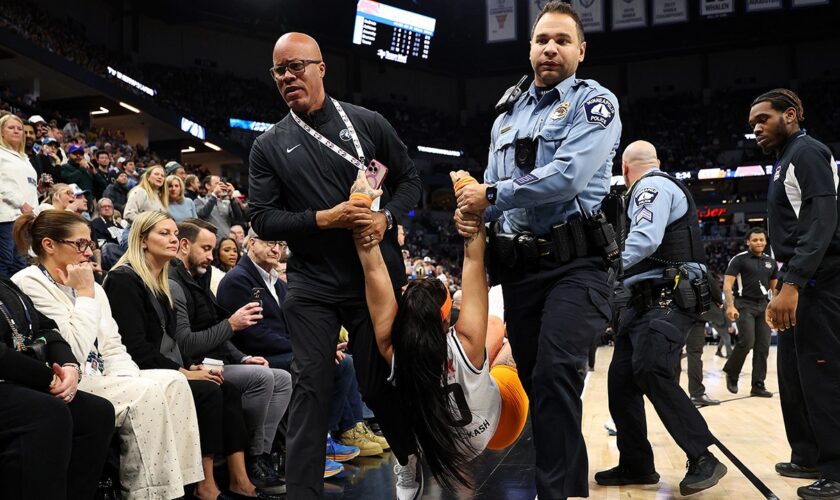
{"x": 357, "y": 437}
{"x": 376, "y": 438}
{"x": 703, "y": 473}
{"x": 619, "y": 476}
{"x": 760, "y": 391}
{"x": 262, "y": 474}
{"x": 732, "y": 383}
{"x": 409, "y": 479}
{"x": 610, "y": 427}
{"x": 340, "y": 452}
{"x": 822, "y": 488}
{"x": 332, "y": 468}
{"x": 790, "y": 469}
{"x": 704, "y": 400}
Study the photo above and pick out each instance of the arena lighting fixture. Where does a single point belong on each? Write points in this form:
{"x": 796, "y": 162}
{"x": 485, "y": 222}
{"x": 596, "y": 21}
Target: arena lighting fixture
{"x": 749, "y": 136}
{"x": 439, "y": 151}
{"x": 188, "y": 150}
{"x": 129, "y": 107}
{"x": 212, "y": 146}
{"x": 102, "y": 111}
{"x": 131, "y": 81}
{"x": 756, "y": 219}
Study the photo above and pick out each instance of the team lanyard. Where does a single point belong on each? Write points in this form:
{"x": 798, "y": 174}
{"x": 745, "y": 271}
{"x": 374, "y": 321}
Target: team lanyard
{"x": 356, "y": 162}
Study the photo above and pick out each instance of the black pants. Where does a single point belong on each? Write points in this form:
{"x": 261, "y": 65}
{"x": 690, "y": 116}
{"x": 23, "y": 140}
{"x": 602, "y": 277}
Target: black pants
{"x": 552, "y": 315}
{"x": 753, "y": 334}
{"x": 221, "y": 423}
{"x": 314, "y": 326}
{"x": 694, "y": 350}
{"x": 647, "y": 347}
{"x": 49, "y": 449}
{"x": 809, "y": 377}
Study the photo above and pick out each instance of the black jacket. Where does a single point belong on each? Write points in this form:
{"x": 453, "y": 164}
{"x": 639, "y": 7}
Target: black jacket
{"x": 99, "y": 228}
{"x": 19, "y": 368}
{"x": 118, "y": 195}
{"x": 292, "y": 176}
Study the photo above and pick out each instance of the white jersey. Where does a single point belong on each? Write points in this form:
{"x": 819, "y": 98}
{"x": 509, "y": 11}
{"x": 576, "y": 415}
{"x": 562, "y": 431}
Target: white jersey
{"x": 475, "y": 395}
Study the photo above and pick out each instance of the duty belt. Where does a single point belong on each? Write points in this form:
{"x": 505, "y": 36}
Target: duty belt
{"x": 649, "y": 294}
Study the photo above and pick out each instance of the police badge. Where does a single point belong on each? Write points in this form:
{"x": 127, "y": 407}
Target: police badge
{"x": 560, "y": 111}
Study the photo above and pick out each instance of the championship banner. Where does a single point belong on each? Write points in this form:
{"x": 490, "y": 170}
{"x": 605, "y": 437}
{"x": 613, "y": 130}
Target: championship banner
{"x": 759, "y": 5}
{"x": 670, "y": 11}
{"x": 629, "y": 14}
{"x": 809, "y": 3}
{"x": 591, "y": 14}
{"x": 501, "y": 20}
{"x": 716, "y": 7}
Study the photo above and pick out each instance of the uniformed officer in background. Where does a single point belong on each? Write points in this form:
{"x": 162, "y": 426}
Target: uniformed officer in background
{"x": 803, "y": 213}
{"x": 548, "y": 172}
{"x": 665, "y": 272}
{"x": 755, "y": 273}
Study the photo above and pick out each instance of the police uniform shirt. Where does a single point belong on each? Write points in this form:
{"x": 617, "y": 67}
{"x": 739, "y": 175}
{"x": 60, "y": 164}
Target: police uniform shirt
{"x": 802, "y": 207}
{"x": 657, "y": 202}
{"x": 292, "y": 175}
{"x": 577, "y": 130}
{"x": 753, "y": 273}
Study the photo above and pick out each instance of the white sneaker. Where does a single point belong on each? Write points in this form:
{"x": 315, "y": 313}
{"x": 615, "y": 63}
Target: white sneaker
{"x": 409, "y": 479}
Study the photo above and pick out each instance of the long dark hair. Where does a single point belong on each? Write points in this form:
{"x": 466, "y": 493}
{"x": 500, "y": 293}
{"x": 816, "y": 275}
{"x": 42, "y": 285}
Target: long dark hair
{"x": 30, "y": 230}
{"x": 420, "y": 356}
{"x": 217, "y": 258}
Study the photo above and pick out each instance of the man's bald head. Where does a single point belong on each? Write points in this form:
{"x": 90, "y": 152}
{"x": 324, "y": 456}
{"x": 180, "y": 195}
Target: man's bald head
{"x": 303, "y": 90}
{"x": 638, "y": 158}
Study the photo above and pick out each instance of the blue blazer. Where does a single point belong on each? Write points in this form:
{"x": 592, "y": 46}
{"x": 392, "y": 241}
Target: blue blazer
{"x": 271, "y": 334}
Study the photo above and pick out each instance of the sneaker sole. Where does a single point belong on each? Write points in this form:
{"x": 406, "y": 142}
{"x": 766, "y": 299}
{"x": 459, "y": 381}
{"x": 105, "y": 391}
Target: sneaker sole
{"x": 273, "y": 490}
{"x": 649, "y": 479}
{"x": 761, "y": 395}
{"x": 332, "y": 473}
{"x": 720, "y": 471}
{"x": 370, "y": 452}
{"x": 798, "y": 475}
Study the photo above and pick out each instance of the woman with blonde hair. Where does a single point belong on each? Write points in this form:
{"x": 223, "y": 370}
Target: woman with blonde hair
{"x": 180, "y": 207}
{"x": 59, "y": 197}
{"x": 156, "y": 419}
{"x": 18, "y": 189}
{"x": 141, "y": 302}
{"x": 148, "y": 195}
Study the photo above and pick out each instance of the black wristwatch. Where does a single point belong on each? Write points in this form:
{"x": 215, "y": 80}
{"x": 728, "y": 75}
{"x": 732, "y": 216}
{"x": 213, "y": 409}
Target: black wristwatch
{"x": 490, "y": 194}
{"x": 388, "y": 218}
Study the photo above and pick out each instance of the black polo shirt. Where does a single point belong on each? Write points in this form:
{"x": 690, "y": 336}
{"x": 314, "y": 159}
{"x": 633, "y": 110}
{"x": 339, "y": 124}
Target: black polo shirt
{"x": 292, "y": 176}
{"x": 803, "y": 210}
{"x": 753, "y": 274}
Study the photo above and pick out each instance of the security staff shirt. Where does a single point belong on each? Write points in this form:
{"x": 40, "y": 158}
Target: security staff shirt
{"x": 576, "y": 129}
{"x": 292, "y": 176}
{"x": 753, "y": 274}
{"x": 802, "y": 207}
{"x": 657, "y": 202}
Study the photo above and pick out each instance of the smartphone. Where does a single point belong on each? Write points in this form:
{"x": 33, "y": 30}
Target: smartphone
{"x": 256, "y": 295}
{"x": 376, "y": 173}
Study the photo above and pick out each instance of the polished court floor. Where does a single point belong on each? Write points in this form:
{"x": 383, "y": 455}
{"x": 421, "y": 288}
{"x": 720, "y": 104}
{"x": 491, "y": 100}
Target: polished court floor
{"x": 751, "y": 428}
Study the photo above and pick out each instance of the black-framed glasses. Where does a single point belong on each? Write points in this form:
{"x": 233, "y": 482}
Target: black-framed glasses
{"x": 295, "y": 67}
{"x": 81, "y": 244}
{"x": 272, "y": 244}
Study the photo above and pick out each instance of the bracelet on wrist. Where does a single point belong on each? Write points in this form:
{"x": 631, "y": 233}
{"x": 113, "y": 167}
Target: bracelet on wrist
{"x": 76, "y": 366}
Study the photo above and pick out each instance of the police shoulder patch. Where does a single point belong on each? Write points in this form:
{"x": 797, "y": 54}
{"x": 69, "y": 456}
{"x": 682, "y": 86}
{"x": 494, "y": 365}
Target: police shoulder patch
{"x": 646, "y": 196}
{"x": 643, "y": 214}
{"x": 599, "y": 110}
{"x": 526, "y": 179}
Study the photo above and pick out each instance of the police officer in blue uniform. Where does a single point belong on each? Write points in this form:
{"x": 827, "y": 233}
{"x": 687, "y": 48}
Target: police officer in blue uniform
{"x": 548, "y": 172}
{"x": 664, "y": 270}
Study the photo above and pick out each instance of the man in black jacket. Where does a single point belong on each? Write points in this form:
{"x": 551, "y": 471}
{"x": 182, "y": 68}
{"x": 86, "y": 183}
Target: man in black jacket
{"x": 117, "y": 191}
{"x": 205, "y": 329}
{"x": 299, "y": 185}
{"x": 803, "y": 213}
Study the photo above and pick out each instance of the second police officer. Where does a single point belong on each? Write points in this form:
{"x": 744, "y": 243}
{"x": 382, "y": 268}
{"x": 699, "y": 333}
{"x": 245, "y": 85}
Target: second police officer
{"x": 664, "y": 271}
{"x": 548, "y": 173}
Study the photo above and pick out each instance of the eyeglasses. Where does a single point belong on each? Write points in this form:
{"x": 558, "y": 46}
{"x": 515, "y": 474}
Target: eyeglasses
{"x": 295, "y": 67}
{"x": 80, "y": 244}
{"x": 272, "y": 244}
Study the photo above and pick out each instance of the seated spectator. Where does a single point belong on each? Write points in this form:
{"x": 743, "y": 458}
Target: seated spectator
{"x": 238, "y": 235}
{"x": 54, "y": 438}
{"x": 117, "y": 191}
{"x": 60, "y": 197}
{"x": 131, "y": 172}
{"x": 225, "y": 256}
{"x": 104, "y": 228}
{"x": 176, "y": 169}
{"x": 105, "y": 168}
{"x": 147, "y": 196}
{"x": 142, "y": 305}
{"x": 205, "y": 330}
{"x": 18, "y": 190}
{"x": 192, "y": 187}
{"x": 41, "y": 127}
{"x": 78, "y": 170}
{"x": 154, "y": 408}
{"x": 217, "y": 207}
{"x": 47, "y": 160}
{"x": 180, "y": 207}
{"x": 80, "y": 201}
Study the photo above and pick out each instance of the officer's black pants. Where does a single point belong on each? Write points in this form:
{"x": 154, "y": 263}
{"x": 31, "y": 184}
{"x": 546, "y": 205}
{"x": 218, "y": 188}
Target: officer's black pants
{"x": 552, "y": 315}
{"x": 647, "y": 347}
{"x": 809, "y": 377}
{"x": 314, "y": 326}
{"x": 49, "y": 449}
{"x": 753, "y": 334}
